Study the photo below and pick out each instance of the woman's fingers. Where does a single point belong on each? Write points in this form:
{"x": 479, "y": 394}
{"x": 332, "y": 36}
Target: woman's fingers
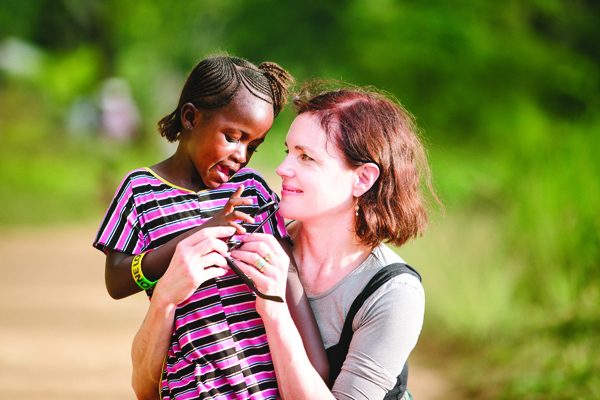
{"x": 262, "y": 258}
{"x": 263, "y": 242}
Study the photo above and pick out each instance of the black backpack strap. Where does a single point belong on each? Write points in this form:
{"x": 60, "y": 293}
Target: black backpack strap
{"x": 337, "y": 354}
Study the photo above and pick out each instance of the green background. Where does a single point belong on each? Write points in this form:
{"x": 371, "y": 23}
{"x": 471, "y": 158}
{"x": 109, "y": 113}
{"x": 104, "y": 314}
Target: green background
{"x": 506, "y": 93}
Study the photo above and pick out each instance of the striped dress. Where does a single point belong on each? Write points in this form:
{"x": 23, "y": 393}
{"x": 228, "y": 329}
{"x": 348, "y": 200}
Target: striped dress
{"x": 219, "y": 346}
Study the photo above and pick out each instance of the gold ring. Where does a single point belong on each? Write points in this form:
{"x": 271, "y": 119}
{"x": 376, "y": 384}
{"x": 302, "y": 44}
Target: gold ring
{"x": 260, "y": 264}
{"x": 269, "y": 256}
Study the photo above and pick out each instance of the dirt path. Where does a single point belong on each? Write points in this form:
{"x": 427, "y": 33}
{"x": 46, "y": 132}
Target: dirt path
{"x": 63, "y": 337}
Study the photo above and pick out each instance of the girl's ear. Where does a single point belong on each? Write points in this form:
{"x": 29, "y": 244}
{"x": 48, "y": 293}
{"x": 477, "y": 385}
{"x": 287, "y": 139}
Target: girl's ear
{"x": 366, "y": 175}
{"x": 188, "y": 116}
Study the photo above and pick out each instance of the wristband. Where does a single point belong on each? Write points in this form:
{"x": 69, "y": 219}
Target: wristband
{"x": 138, "y": 276}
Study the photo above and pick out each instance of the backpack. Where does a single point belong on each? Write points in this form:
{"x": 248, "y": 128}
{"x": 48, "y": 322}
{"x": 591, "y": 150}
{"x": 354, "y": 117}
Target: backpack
{"x": 336, "y": 354}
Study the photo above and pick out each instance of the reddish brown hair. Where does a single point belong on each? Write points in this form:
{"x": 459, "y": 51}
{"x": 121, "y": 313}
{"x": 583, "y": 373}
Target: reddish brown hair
{"x": 368, "y": 126}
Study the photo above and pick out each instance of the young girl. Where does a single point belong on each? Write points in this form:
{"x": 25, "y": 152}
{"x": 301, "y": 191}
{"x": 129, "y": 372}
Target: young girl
{"x": 218, "y": 345}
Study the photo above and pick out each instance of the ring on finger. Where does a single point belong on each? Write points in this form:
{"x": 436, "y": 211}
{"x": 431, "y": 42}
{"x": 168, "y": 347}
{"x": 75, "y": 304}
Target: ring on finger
{"x": 269, "y": 256}
{"x": 260, "y": 264}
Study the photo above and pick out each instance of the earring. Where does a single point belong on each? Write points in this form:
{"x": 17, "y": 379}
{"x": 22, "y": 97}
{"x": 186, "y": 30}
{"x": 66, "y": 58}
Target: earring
{"x": 188, "y": 127}
{"x": 356, "y": 208}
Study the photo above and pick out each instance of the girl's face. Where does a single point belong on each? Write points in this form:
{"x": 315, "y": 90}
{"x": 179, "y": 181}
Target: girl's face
{"x": 316, "y": 182}
{"x": 223, "y": 140}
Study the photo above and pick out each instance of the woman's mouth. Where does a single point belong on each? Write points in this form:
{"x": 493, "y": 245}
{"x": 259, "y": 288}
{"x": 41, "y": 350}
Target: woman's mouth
{"x": 290, "y": 190}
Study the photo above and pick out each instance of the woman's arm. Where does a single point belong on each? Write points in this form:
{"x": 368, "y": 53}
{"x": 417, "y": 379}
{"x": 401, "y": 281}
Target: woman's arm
{"x": 150, "y": 347}
{"x": 296, "y": 376}
{"x": 196, "y": 259}
{"x": 390, "y": 323}
{"x": 306, "y": 324}
{"x": 117, "y": 274}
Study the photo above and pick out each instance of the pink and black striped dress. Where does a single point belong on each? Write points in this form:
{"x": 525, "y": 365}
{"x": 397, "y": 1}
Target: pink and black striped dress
{"x": 219, "y": 348}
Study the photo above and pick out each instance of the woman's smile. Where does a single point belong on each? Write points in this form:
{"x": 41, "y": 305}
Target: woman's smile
{"x": 287, "y": 190}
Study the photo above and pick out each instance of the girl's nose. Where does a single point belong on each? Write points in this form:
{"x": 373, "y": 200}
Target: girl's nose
{"x": 240, "y": 155}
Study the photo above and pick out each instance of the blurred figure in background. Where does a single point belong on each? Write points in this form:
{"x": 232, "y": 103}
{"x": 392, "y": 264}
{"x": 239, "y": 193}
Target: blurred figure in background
{"x": 119, "y": 115}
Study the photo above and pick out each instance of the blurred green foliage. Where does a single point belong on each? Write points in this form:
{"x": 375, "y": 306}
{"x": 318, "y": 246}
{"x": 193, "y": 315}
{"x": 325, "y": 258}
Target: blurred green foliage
{"x": 507, "y": 94}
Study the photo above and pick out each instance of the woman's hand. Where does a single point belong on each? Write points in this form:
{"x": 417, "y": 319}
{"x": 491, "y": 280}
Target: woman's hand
{"x": 197, "y": 258}
{"x": 274, "y": 262}
{"x": 229, "y": 215}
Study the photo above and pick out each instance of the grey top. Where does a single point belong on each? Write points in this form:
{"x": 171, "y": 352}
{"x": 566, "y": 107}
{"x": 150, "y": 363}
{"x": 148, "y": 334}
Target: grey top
{"x": 386, "y": 328}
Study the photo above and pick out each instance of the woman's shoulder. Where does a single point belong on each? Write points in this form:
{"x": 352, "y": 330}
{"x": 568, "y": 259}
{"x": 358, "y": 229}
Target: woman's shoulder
{"x": 383, "y": 256}
{"x": 402, "y": 289}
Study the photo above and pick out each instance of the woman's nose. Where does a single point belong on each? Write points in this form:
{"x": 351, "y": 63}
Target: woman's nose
{"x": 284, "y": 169}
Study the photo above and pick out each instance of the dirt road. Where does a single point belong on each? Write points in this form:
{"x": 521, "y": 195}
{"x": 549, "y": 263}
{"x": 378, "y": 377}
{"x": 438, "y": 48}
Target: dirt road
{"x": 63, "y": 337}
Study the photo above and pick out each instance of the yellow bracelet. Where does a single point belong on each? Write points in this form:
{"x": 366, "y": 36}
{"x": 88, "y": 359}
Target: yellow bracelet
{"x": 138, "y": 276}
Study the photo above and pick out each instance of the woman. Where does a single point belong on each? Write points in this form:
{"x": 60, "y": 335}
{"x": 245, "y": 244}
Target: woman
{"x": 351, "y": 181}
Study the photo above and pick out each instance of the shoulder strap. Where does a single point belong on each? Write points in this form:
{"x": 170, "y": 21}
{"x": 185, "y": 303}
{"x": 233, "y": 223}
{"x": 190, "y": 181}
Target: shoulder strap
{"x": 337, "y": 353}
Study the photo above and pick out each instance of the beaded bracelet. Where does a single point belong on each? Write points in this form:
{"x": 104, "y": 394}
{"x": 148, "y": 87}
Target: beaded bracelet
{"x": 138, "y": 276}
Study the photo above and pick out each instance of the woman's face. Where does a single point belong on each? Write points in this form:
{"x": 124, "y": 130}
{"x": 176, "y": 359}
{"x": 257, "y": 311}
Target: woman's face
{"x": 316, "y": 183}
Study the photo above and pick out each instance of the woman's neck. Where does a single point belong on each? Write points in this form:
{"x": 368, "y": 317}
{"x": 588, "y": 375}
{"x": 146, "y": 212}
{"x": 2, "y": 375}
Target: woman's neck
{"x": 326, "y": 251}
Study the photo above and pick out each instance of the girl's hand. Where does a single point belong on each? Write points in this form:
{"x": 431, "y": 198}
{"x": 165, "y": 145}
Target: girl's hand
{"x": 197, "y": 258}
{"x": 228, "y": 215}
{"x": 273, "y": 278}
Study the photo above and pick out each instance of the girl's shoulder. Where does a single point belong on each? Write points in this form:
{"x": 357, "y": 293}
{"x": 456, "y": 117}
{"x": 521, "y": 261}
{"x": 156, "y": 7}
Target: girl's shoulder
{"x": 135, "y": 178}
{"x": 250, "y": 178}
{"x": 139, "y": 173}
{"x": 248, "y": 173}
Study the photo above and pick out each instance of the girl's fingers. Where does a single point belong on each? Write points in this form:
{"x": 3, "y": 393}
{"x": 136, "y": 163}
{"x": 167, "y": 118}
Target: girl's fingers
{"x": 238, "y": 215}
{"x": 208, "y": 233}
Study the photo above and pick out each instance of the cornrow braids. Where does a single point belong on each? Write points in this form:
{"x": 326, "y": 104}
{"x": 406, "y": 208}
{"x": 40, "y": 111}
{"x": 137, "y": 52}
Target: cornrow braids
{"x": 280, "y": 81}
{"x": 214, "y": 82}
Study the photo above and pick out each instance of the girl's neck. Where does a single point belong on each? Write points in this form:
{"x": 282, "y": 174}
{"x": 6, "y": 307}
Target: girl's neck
{"x": 326, "y": 251}
{"x": 179, "y": 171}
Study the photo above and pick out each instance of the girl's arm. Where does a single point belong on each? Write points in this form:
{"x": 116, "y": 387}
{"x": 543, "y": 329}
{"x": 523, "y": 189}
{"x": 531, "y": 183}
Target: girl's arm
{"x": 196, "y": 259}
{"x": 117, "y": 274}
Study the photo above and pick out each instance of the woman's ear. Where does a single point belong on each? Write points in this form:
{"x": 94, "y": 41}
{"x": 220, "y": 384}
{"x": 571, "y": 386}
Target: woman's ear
{"x": 188, "y": 116}
{"x": 367, "y": 174}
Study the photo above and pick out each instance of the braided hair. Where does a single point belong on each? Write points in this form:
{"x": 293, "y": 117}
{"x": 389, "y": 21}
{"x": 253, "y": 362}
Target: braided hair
{"x": 214, "y": 82}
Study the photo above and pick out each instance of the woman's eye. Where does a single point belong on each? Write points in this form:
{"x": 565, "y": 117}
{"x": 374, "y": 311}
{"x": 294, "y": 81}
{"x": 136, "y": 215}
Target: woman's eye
{"x": 252, "y": 149}
{"x": 230, "y": 139}
{"x": 304, "y": 157}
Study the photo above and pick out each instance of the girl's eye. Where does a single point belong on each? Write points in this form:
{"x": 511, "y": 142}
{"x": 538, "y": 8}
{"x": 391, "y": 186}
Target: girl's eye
{"x": 304, "y": 157}
{"x": 230, "y": 139}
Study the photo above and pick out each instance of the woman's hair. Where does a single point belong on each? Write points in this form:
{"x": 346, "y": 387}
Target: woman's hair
{"x": 214, "y": 82}
{"x": 370, "y": 127}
